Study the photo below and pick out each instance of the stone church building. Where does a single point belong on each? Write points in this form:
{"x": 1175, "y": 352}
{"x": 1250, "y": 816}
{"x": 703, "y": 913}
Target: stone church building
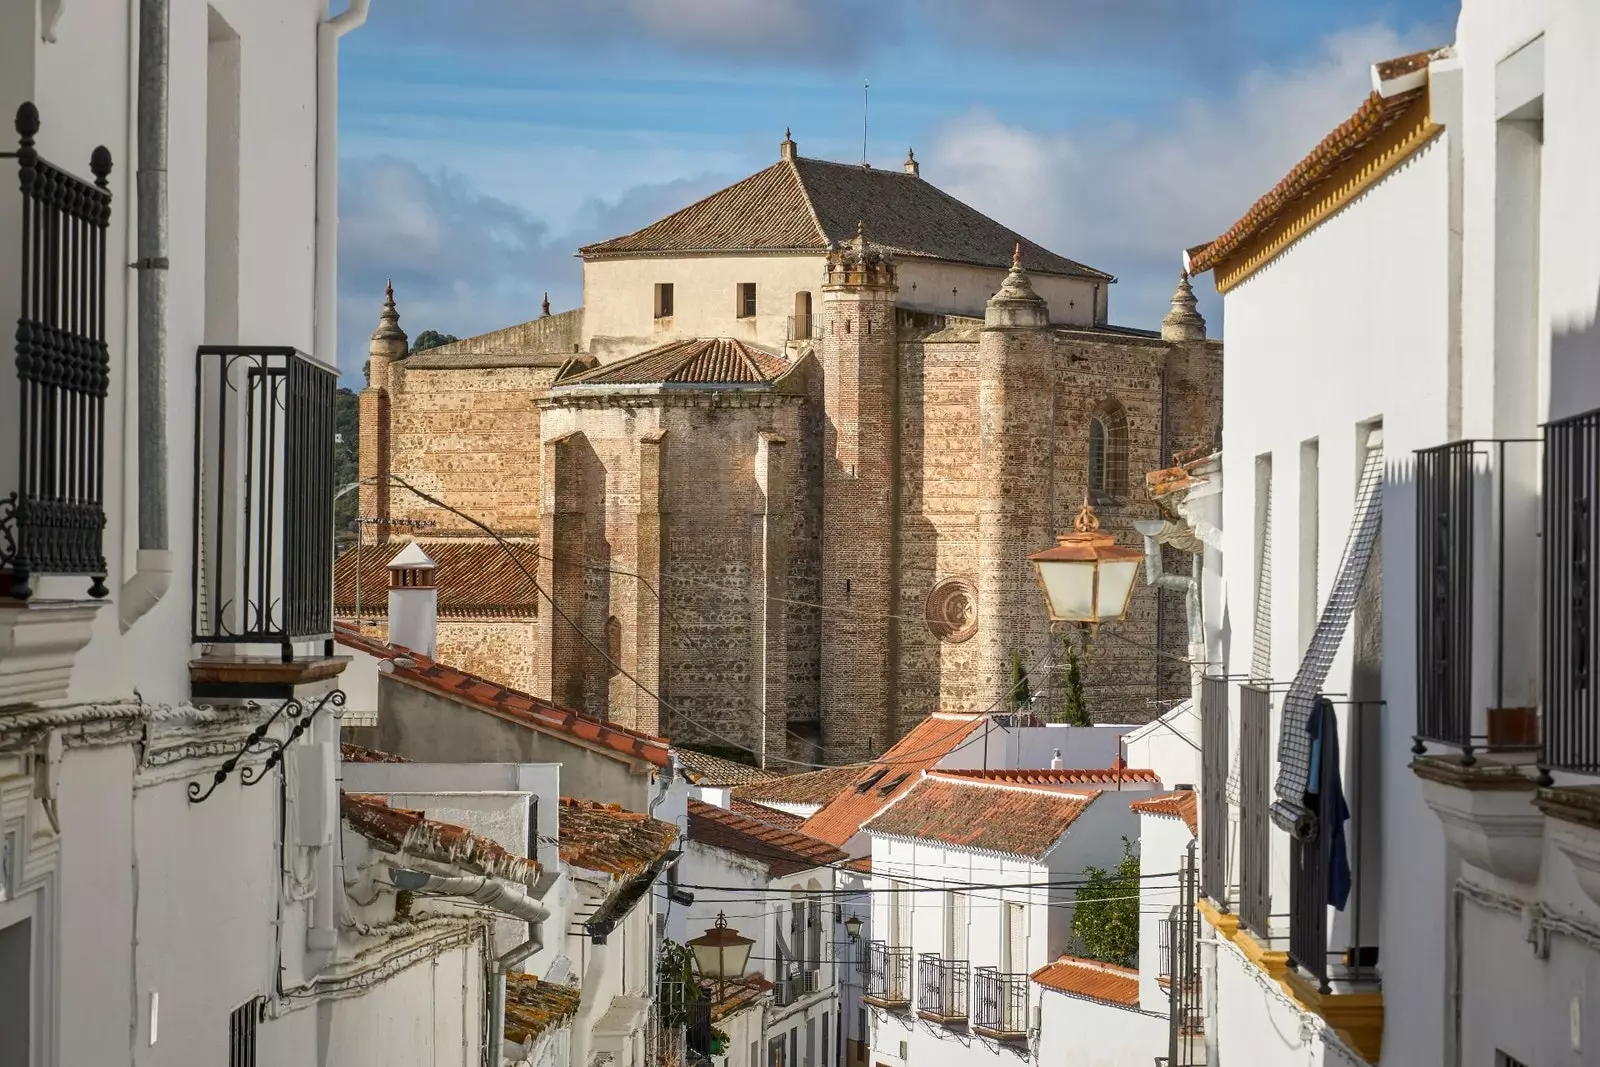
{"x": 779, "y": 477}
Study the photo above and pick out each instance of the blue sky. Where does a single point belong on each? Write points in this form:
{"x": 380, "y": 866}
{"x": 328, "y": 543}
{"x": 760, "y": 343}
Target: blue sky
{"x": 482, "y": 141}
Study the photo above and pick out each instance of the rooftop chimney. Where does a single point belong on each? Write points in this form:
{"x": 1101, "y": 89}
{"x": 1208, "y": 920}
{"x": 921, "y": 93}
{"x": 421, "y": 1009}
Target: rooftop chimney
{"x": 1055, "y": 761}
{"x": 413, "y": 601}
{"x": 786, "y": 147}
{"x": 912, "y": 166}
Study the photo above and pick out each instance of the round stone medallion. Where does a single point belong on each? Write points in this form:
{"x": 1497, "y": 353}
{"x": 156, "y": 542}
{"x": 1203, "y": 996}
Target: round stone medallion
{"x": 952, "y": 610}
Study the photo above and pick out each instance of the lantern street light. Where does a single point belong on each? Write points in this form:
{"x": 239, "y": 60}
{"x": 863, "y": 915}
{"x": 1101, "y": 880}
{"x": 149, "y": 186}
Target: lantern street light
{"x": 1087, "y": 577}
{"x": 721, "y": 954}
{"x": 852, "y": 927}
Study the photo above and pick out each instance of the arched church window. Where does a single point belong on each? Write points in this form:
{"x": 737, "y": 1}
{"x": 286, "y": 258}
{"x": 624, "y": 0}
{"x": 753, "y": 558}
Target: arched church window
{"x": 1108, "y": 452}
{"x": 613, "y": 645}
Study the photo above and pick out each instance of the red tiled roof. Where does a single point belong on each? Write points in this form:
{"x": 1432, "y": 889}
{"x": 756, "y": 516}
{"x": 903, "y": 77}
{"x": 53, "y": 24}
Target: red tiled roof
{"x": 862, "y": 865}
{"x": 1375, "y": 115}
{"x": 412, "y": 833}
{"x": 809, "y": 204}
{"x": 736, "y": 996}
{"x": 605, "y": 837}
{"x": 693, "y": 361}
{"x": 475, "y": 578}
{"x": 1181, "y": 804}
{"x": 533, "y": 1006}
{"x": 930, "y": 741}
{"x": 356, "y": 754}
{"x": 1105, "y": 982}
{"x": 986, "y": 818}
{"x": 1394, "y": 68}
{"x": 512, "y": 704}
{"x": 783, "y": 851}
{"x": 1107, "y": 776}
{"x": 702, "y": 768}
{"x": 812, "y": 787}
{"x": 750, "y": 809}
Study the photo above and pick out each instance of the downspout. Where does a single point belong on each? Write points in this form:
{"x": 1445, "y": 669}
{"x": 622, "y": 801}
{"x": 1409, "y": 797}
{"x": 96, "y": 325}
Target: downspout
{"x": 325, "y": 294}
{"x": 152, "y": 574}
{"x": 497, "y": 1000}
{"x": 1154, "y": 575}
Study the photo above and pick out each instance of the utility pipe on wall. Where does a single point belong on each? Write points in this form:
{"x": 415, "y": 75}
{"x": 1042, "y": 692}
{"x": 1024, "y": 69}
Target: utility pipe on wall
{"x": 1152, "y": 529}
{"x": 152, "y": 574}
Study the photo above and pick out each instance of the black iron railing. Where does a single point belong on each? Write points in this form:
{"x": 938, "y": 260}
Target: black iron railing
{"x": 941, "y": 988}
{"x": 1214, "y": 822}
{"x": 1181, "y": 962}
{"x": 888, "y": 975}
{"x": 1255, "y": 847}
{"x": 1571, "y": 654}
{"x": 1476, "y": 521}
{"x": 263, "y": 519}
{"x": 53, "y": 520}
{"x": 999, "y": 1004}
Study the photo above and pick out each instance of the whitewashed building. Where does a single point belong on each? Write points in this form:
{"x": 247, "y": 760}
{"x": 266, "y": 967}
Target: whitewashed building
{"x": 1407, "y": 533}
{"x": 949, "y": 963}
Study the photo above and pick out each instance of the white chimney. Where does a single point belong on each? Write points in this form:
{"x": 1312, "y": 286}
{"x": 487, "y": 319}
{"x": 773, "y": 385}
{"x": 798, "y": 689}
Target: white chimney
{"x": 413, "y": 601}
{"x": 1055, "y": 761}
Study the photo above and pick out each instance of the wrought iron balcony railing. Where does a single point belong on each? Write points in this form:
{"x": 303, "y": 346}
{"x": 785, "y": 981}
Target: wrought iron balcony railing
{"x": 1571, "y": 653}
{"x": 1181, "y": 963}
{"x": 1477, "y": 520}
{"x": 1255, "y": 800}
{"x": 263, "y": 517}
{"x": 1000, "y": 1004}
{"x": 52, "y": 515}
{"x": 888, "y": 976}
{"x": 941, "y": 989}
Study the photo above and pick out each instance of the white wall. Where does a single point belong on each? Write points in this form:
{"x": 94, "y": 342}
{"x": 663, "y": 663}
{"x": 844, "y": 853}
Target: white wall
{"x": 1163, "y": 846}
{"x": 1092, "y": 1034}
{"x": 1170, "y": 746}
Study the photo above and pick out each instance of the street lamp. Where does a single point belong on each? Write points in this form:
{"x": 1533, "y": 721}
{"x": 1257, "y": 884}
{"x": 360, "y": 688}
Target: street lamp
{"x": 1087, "y": 577}
{"x": 852, "y": 927}
{"x": 721, "y": 954}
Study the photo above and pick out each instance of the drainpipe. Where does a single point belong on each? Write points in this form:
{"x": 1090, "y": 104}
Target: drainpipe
{"x": 1152, "y": 529}
{"x": 325, "y": 295}
{"x": 153, "y": 565}
{"x": 497, "y": 999}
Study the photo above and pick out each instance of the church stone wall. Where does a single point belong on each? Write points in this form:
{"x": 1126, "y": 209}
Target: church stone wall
{"x": 500, "y": 650}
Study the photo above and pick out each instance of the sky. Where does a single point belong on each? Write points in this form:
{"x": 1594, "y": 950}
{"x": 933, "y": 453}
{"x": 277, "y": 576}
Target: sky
{"x": 483, "y": 141}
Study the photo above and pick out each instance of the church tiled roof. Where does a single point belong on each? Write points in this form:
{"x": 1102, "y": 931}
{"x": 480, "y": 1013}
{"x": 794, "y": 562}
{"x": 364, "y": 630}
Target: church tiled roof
{"x": 809, "y": 204}
{"x": 694, "y": 361}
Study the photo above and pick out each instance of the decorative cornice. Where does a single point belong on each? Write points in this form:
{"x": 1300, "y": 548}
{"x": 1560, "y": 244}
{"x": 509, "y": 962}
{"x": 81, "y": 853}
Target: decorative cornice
{"x": 1388, "y": 151}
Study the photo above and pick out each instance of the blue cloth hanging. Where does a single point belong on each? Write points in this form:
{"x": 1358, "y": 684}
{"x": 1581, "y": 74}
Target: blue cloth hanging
{"x": 1323, "y": 727}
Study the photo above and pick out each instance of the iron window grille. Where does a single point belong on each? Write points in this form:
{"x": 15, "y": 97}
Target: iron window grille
{"x": 888, "y": 975}
{"x": 52, "y": 519}
{"x": 242, "y": 1023}
{"x": 941, "y": 989}
{"x": 263, "y": 517}
{"x": 1181, "y": 961}
{"x": 1000, "y": 1004}
{"x": 1571, "y": 653}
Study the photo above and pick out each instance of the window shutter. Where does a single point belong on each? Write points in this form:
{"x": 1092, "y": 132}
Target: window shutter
{"x": 956, "y": 934}
{"x": 1016, "y": 939}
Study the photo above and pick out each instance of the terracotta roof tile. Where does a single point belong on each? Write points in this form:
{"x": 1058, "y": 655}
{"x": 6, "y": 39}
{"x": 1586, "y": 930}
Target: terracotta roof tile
{"x": 750, "y": 809}
{"x": 475, "y": 578}
{"x": 1375, "y": 115}
{"x": 1107, "y": 776}
{"x": 976, "y": 815}
{"x": 1182, "y": 804}
{"x": 783, "y": 851}
{"x": 809, "y": 204}
{"x": 702, "y": 768}
{"x": 737, "y": 996}
{"x": 605, "y": 837}
{"x": 930, "y": 741}
{"x": 412, "y": 833}
{"x": 1390, "y": 69}
{"x": 693, "y": 361}
{"x": 533, "y": 1006}
{"x": 512, "y": 704}
{"x": 356, "y": 754}
{"x": 811, "y": 787}
{"x": 1105, "y": 982}
{"x": 861, "y": 866}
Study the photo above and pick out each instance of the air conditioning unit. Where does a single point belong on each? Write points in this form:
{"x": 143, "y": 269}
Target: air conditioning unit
{"x": 809, "y": 981}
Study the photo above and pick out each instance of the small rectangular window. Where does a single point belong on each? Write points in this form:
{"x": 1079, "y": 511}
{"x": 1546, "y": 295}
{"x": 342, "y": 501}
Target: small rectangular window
{"x": 242, "y": 1034}
{"x": 663, "y": 300}
{"x": 747, "y": 300}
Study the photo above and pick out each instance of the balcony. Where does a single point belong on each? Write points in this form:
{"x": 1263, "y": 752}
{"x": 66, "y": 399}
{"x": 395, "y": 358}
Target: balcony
{"x": 1571, "y": 652}
{"x": 1216, "y": 827}
{"x": 888, "y": 982}
{"x": 1180, "y": 972}
{"x": 1000, "y": 1005}
{"x": 942, "y": 989}
{"x": 1255, "y": 801}
{"x": 52, "y": 515}
{"x": 263, "y": 518}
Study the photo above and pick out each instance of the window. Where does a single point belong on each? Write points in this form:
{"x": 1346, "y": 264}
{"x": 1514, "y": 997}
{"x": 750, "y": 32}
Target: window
{"x": 892, "y": 784}
{"x": 823, "y": 1061}
{"x": 875, "y": 777}
{"x": 242, "y": 1034}
{"x": 775, "y": 1050}
{"x": 899, "y": 915}
{"x": 1310, "y": 459}
{"x": 802, "y": 316}
{"x": 16, "y": 976}
{"x": 663, "y": 300}
{"x": 1015, "y": 934}
{"x": 955, "y": 926}
{"x": 1261, "y": 649}
{"x": 745, "y": 307}
{"x": 811, "y": 1043}
{"x": 1108, "y": 452}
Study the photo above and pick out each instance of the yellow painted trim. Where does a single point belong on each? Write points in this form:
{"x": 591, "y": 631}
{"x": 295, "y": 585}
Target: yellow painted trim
{"x": 1414, "y": 129}
{"x": 1274, "y": 962}
{"x": 1356, "y": 1017}
{"x": 1224, "y": 923}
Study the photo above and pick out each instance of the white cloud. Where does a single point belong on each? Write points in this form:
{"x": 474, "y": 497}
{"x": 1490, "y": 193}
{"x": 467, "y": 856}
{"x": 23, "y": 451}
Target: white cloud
{"x": 1128, "y": 198}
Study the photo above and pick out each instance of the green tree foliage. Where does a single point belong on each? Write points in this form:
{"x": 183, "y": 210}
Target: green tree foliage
{"x": 1020, "y": 694}
{"x": 1105, "y": 919}
{"x": 1074, "y": 712}
{"x": 432, "y": 339}
{"x": 346, "y": 434}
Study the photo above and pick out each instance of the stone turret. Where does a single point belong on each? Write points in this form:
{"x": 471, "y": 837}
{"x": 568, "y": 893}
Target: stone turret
{"x": 913, "y": 168}
{"x": 1183, "y": 322}
{"x": 388, "y": 342}
{"x": 786, "y": 147}
{"x": 860, "y": 497}
{"x": 372, "y": 416}
{"x": 1016, "y": 305}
